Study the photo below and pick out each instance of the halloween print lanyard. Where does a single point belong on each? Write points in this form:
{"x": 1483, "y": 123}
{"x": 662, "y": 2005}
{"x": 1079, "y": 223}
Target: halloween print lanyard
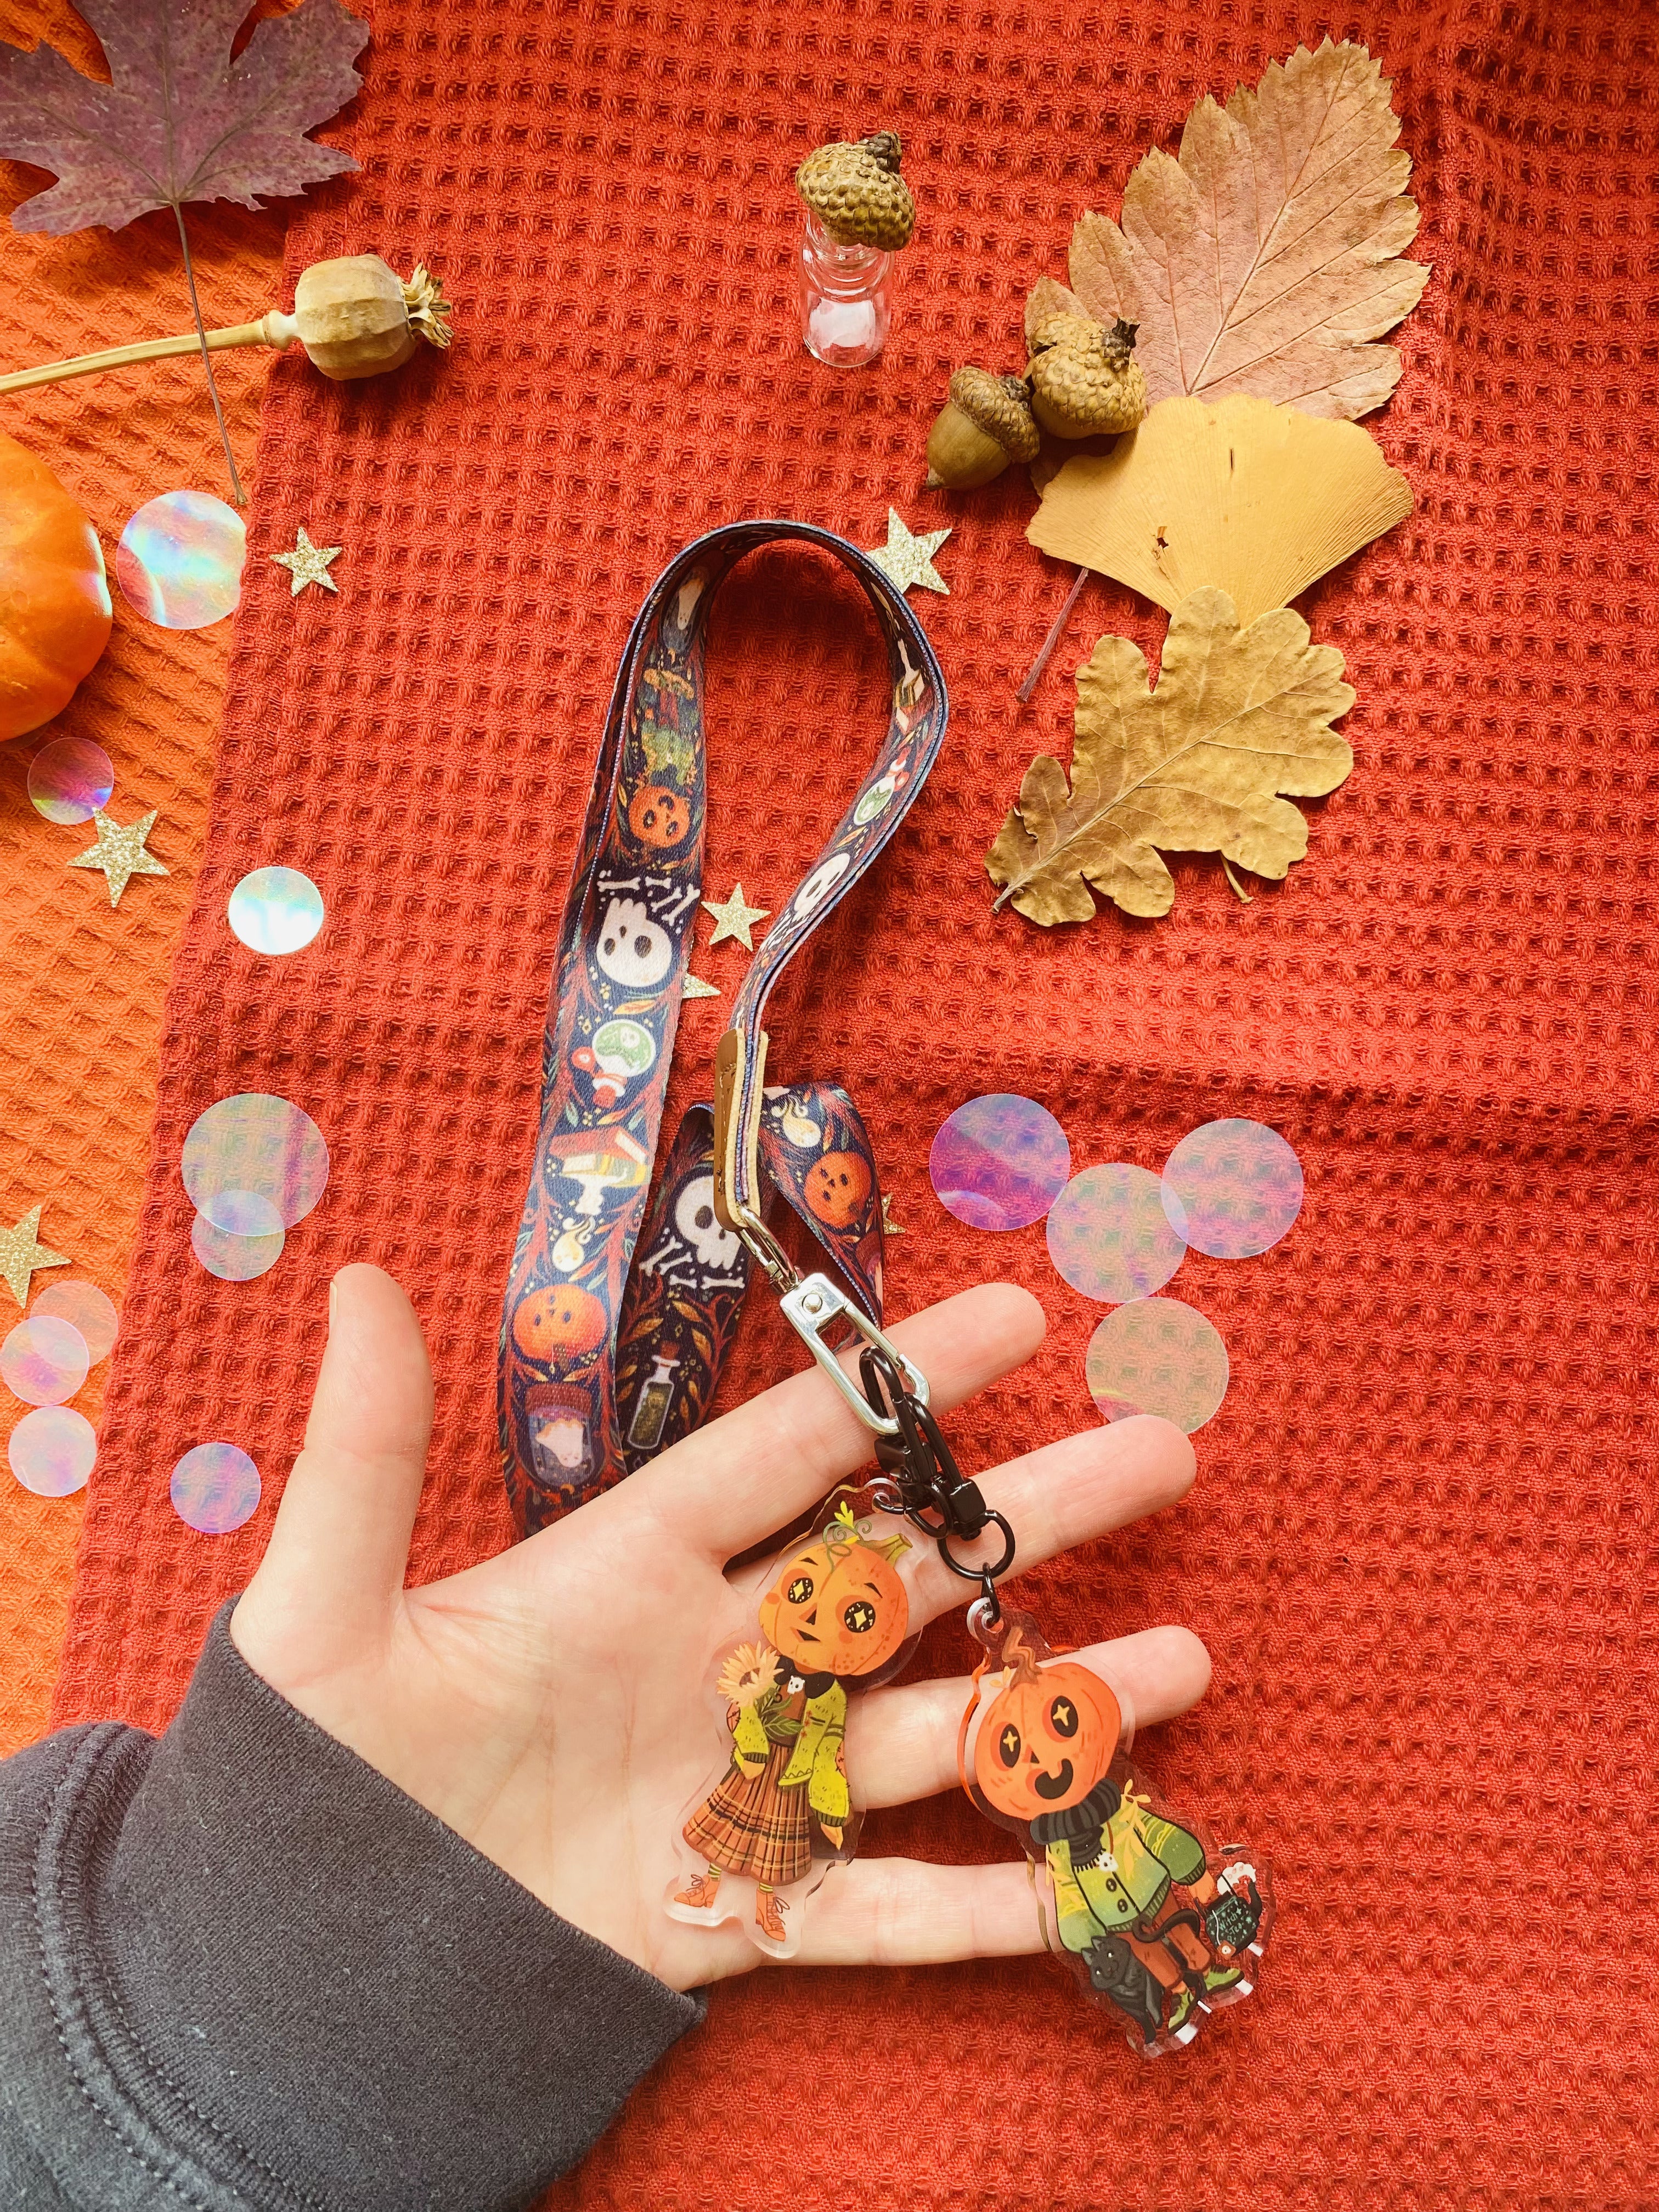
{"x": 622, "y": 1303}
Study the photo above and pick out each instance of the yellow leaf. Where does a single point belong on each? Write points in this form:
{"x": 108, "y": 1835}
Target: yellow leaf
{"x": 1257, "y": 500}
{"x": 1239, "y": 716}
{"x": 1267, "y": 256}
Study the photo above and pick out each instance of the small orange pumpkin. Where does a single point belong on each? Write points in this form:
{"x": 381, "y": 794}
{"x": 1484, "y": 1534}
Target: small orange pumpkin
{"x": 549, "y": 1323}
{"x": 54, "y": 594}
{"x": 839, "y": 1608}
{"x": 1046, "y": 1739}
{"x": 837, "y": 1187}
{"x": 658, "y": 816}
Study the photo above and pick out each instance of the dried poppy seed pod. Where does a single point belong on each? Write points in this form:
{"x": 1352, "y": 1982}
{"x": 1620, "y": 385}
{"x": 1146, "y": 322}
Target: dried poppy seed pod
{"x": 353, "y": 316}
{"x": 857, "y": 194}
{"x": 356, "y": 317}
{"x": 1085, "y": 379}
{"x": 986, "y": 424}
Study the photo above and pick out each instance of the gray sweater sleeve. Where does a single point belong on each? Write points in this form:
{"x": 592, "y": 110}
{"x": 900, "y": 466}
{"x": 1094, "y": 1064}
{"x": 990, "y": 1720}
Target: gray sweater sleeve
{"x": 240, "y": 1969}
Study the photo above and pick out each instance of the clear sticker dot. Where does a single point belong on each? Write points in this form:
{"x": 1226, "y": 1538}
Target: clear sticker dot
{"x": 1000, "y": 1161}
{"x": 276, "y": 910}
{"x": 1109, "y": 1238}
{"x": 179, "y": 562}
{"x": 1232, "y": 1188}
{"x": 71, "y": 779}
{"x": 249, "y": 1148}
{"x": 90, "y": 1310}
{"x": 215, "y": 1489}
{"x": 232, "y": 1258}
{"x": 43, "y": 1360}
{"x": 1158, "y": 1356}
{"x": 52, "y": 1451}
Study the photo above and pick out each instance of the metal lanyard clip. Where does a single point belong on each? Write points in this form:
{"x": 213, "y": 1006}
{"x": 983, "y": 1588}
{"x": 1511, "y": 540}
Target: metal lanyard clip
{"x": 812, "y": 1307}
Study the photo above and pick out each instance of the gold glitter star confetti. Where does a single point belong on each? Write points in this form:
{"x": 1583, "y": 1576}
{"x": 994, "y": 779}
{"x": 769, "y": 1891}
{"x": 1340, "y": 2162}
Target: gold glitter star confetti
{"x": 695, "y": 987}
{"x": 22, "y": 1252}
{"x": 734, "y": 918}
{"x": 120, "y": 851}
{"x": 889, "y": 1226}
{"x": 906, "y": 559}
{"x": 308, "y": 563}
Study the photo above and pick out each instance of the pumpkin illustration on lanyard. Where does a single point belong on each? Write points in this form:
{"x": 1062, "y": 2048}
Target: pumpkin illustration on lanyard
{"x": 1158, "y": 1925}
{"x": 834, "y": 1617}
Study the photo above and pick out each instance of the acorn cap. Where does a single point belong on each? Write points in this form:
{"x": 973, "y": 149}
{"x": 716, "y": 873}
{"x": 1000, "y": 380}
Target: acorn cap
{"x": 856, "y": 191}
{"x": 1000, "y": 406}
{"x": 1085, "y": 379}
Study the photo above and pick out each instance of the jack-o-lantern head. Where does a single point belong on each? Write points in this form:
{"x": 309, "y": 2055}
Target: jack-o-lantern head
{"x": 658, "y": 817}
{"x": 839, "y": 1608}
{"x": 837, "y": 1188}
{"x": 555, "y": 1322}
{"x": 1046, "y": 1738}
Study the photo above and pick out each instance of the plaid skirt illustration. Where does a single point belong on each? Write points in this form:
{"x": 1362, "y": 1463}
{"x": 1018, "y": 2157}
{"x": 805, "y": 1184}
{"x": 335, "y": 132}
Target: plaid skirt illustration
{"x": 751, "y": 1824}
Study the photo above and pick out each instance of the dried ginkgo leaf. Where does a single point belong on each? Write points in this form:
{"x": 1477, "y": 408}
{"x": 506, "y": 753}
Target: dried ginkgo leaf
{"x": 1240, "y": 714}
{"x": 1259, "y": 501}
{"x": 1268, "y": 258}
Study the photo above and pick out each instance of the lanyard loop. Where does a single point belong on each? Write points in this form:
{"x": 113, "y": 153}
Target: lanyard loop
{"x": 606, "y": 1358}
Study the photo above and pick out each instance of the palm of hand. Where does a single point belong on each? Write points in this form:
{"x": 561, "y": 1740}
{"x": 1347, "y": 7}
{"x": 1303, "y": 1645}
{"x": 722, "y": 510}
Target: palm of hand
{"x": 551, "y": 1705}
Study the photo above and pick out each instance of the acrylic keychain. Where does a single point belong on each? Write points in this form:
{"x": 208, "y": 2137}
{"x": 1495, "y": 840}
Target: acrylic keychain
{"x": 834, "y": 1619}
{"x": 1160, "y": 1926}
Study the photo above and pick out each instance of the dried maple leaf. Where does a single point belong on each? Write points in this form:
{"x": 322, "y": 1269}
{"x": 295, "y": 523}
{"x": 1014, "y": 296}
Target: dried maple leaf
{"x": 1195, "y": 766}
{"x": 1267, "y": 259}
{"x": 179, "y": 120}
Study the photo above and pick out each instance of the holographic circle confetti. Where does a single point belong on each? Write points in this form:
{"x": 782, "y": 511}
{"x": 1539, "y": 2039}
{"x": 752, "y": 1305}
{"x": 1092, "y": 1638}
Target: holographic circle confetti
{"x": 1109, "y": 1238}
{"x": 90, "y": 1311}
{"x": 43, "y": 1360}
{"x": 1158, "y": 1356}
{"x": 215, "y": 1489}
{"x": 276, "y": 910}
{"x": 71, "y": 779}
{"x": 52, "y": 1451}
{"x": 180, "y": 560}
{"x": 254, "y": 1147}
{"x": 233, "y": 1258}
{"x": 1000, "y": 1161}
{"x": 1232, "y": 1188}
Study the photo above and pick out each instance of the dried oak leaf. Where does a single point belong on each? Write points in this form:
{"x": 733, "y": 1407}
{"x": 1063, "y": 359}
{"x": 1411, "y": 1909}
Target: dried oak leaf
{"x": 1195, "y": 766}
{"x": 1268, "y": 258}
{"x": 179, "y": 120}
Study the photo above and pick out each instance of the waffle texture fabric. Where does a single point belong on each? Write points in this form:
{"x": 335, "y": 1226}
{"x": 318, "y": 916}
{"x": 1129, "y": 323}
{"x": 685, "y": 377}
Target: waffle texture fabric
{"x": 1420, "y": 1545}
{"x": 82, "y": 988}
{"x": 243, "y": 1969}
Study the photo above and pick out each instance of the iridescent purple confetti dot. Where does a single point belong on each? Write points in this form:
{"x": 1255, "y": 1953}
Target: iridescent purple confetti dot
{"x": 232, "y": 1257}
{"x": 43, "y": 1360}
{"x": 215, "y": 1489}
{"x": 71, "y": 779}
{"x": 89, "y": 1309}
{"x": 52, "y": 1451}
{"x": 1109, "y": 1238}
{"x": 1232, "y": 1188}
{"x": 1000, "y": 1161}
{"x": 1158, "y": 1356}
{"x": 254, "y": 1152}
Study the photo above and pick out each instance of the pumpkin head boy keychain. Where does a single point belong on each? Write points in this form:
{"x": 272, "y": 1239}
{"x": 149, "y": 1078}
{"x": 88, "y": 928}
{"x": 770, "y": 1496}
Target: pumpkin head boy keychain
{"x": 1158, "y": 1925}
{"x": 835, "y": 1617}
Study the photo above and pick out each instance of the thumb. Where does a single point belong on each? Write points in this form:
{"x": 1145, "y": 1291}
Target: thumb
{"x": 335, "y": 1564}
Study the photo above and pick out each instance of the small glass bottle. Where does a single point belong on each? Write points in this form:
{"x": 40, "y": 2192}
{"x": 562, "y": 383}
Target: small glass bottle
{"x": 844, "y": 309}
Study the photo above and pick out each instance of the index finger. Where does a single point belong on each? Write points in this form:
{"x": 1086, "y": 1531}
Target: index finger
{"x": 754, "y": 1470}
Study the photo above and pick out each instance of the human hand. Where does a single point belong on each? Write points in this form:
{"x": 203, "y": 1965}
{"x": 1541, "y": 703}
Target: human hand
{"x": 549, "y": 1704}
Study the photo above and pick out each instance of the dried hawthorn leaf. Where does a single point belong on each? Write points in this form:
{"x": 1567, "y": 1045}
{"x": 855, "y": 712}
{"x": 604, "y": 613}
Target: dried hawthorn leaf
{"x": 1239, "y": 716}
{"x": 1257, "y": 500}
{"x": 179, "y": 120}
{"x": 1268, "y": 258}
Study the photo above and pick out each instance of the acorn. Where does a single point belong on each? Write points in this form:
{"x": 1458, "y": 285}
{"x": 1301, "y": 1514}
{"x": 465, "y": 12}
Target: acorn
{"x": 857, "y": 194}
{"x": 1085, "y": 379}
{"x": 986, "y": 424}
